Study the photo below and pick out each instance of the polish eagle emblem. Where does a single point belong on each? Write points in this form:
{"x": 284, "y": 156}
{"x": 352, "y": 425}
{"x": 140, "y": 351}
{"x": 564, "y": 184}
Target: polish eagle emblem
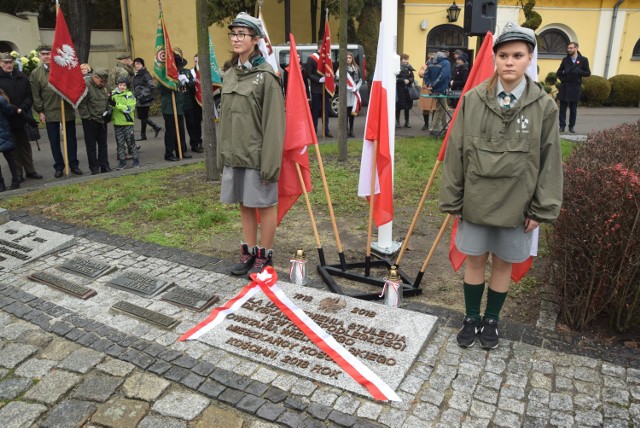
{"x": 66, "y": 57}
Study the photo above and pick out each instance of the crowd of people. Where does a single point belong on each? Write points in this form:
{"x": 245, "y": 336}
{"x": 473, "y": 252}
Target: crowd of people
{"x": 117, "y": 95}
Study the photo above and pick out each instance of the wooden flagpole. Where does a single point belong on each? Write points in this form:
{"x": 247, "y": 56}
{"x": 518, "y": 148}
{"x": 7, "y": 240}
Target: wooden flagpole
{"x": 418, "y": 210}
{"x": 306, "y": 199}
{"x": 175, "y": 120}
{"x": 435, "y": 243}
{"x": 330, "y": 206}
{"x": 65, "y": 151}
{"x": 372, "y": 196}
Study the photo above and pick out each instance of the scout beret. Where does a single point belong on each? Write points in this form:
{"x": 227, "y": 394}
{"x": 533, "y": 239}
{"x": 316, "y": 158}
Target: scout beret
{"x": 102, "y": 73}
{"x": 124, "y": 55}
{"x": 514, "y": 33}
{"x": 5, "y": 56}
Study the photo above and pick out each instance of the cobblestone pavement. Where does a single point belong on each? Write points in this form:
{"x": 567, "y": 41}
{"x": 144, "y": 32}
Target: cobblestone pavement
{"x": 67, "y": 362}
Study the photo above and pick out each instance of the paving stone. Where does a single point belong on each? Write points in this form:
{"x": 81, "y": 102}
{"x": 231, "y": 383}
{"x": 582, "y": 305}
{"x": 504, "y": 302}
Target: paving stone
{"x": 439, "y": 382}
{"x": 495, "y": 365}
{"x": 159, "y": 367}
{"x": 303, "y": 387}
{"x": 560, "y": 402}
{"x": 564, "y": 383}
{"x": 11, "y": 388}
{"x": 154, "y": 421}
{"x": 633, "y": 376}
{"x": 538, "y": 410}
{"x": 176, "y": 373}
{"x": 181, "y": 404}
{"x": 561, "y": 419}
{"x": 16, "y": 329}
{"x": 285, "y": 381}
{"x": 120, "y": 412}
{"x": 97, "y": 386}
{"x": 270, "y": 411}
{"x": 203, "y": 368}
{"x": 392, "y": 417}
{"x": 250, "y": 403}
{"x": 426, "y": 412}
{"x": 185, "y": 361}
{"x": 81, "y": 360}
{"x": 482, "y": 410}
{"x": 614, "y": 382}
{"x": 292, "y": 419}
{"x": 542, "y": 367}
{"x": 216, "y": 416}
{"x": 486, "y": 395}
{"x": 588, "y": 418}
{"x": 613, "y": 411}
{"x": 369, "y": 410}
{"x": 341, "y": 419}
{"x": 37, "y": 338}
{"x": 503, "y": 418}
{"x": 256, "y": 388}
{"x": 275, "y": 395}
{"x": 17, "y": 414}
{"x": 264, "y": 375}
{"x": 491, "y": 380}
{"x": 451, "y": 417}
{"x": 346, "y": 404}
{"x": 115, "y": 367}
{"x": 585, "y": 374}
{"x": 231, "y": 396}
{"x": 511, "y": 391}
{"x": 635, "y": 393}
{"x": 69, "y": 413}
{"x": 58, "y": 350}
{"x": 35, "y": 368}
{"x": 53, "y": 386}
{"x": 318, "y": 411}
{"x": 144, "y": 386}
{"x": 296, "y": 403}
{"x": 211, "y": 388}
{"x": 460, "y": 400}
{"x": 587, "y": 402}
{"x": 615, "y": 396}
{"x": 14, "y": 353}
{"x": 464, "y": 383}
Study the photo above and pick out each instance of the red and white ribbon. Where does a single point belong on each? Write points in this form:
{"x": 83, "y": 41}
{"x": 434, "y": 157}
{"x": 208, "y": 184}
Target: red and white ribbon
{"x": 266, "y": 281}
{"x": 358, "y": 101}
{"x": 395, "y": 285}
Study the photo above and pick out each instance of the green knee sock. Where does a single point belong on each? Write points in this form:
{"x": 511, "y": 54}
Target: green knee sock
{"x": 495, "y": 300}
{"x": 472, "y": 299}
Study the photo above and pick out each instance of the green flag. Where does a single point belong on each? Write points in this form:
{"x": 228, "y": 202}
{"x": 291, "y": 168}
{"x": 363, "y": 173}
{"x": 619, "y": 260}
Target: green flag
{"x": 216, "y": 79}
{"x": 164, "y": 64}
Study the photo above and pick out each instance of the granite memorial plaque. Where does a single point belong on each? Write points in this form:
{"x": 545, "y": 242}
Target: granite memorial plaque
{"x": 63, "y": 285}
{"x": 21, "y": 243}
{"x": 139, "y": 284}
{"x": 145, "y": 314}
{"x": 385, "y": 339}
{"x": 86, "y": 267}
{"x": 191, "y": 299}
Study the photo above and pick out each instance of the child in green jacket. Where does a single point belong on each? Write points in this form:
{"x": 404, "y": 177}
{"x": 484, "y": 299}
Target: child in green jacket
{"x": 124, "y": 103}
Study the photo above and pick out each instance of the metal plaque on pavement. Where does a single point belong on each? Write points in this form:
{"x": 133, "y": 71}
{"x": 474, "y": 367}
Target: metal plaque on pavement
{"x": 191, "y": 299}
{"x": 145, "y": 314}
{"x": 139, "y": 284}
{"x": 63, "y": 285}
{"x": 86, "y": 267}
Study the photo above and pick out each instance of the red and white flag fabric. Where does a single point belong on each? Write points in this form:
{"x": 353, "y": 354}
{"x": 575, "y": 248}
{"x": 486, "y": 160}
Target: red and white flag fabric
{"x": 264, "y": 44}
{"x": 299, "y": 133}
{"x": 65, "y": 76}
{"x": 266, "y": 281}
{"x": 325, "y": 64}
{"x": 357, "y": 104}
{"x": 377, "y": 129}
{"x": 482, "y": 69}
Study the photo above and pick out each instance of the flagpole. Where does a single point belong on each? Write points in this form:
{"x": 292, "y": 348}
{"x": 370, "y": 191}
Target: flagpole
{"x": 306, "y": 199}
{"x": 175, "y": 120}
{"x": 331, "y": 212}
{"x": 367, "y": 260}
{"x": 418, "y": 211}
{"x": 64, "y": 124}
{"x": 443, "y": 228}
{"x": 324, "y": 84}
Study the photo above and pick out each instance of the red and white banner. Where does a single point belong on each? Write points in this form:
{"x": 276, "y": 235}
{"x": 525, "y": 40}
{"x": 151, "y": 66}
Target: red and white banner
{"x": 351, "y": 85}
{"x": 264, "y": 44}
{"x": 65, "y": 76}
{"x": 325, "y": 66}
{"x": 266, "y": 281}
{"x": 377, "y": 129}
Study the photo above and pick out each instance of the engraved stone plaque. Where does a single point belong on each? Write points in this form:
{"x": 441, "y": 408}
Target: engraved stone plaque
{"x": 385, "y": 339}
{"x": 191, "y": 299}
{"x": 86, "y": 267}
{"x": 145, "y": 314}
{"x": 63, "y": 285}
{"x": 139, "y": 284}
{"x": 21, "y": 243}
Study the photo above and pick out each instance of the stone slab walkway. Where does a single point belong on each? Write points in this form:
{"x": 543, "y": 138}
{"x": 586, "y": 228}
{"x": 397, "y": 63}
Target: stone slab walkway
{"x": 63, "y": 363}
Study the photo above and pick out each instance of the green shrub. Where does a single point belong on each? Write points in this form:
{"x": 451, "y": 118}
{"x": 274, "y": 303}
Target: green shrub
{"x": 595, "y": 91}
{"x": 595, "y": 243}
{"x": 625, "y": 90}
{"x": 551, "y": 79}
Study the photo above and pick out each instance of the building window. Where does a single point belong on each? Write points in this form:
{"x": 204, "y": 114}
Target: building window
{"x": 447, "y": 35}
{"x": 635, "y": 55}
{"x": 553, "y": 43}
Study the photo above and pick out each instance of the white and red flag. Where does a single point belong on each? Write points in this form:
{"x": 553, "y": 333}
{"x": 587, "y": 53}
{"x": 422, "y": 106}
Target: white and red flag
{"x": 377, "y": 129}
{"x": 325, "y": 64}
{"x": 264, "y": 44}
{"x": 65, "y": 76}
{"x": 299, "y": 133}
{"x": 357, "y": 104}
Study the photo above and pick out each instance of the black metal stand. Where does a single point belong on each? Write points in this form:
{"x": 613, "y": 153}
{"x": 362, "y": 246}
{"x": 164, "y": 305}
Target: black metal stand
{"x": 351, "y": 271}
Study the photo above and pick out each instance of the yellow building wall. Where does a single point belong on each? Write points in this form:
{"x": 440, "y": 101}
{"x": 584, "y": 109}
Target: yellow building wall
{"x": 630, "y": 36}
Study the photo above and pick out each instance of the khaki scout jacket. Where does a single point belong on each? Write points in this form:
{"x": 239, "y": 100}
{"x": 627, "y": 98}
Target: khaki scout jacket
{"x": 118, "y": 71}
{"x": 502, "y": 165}
{"x": 252, "y": 121}
{"x": 45, "y": 100}
{"x": 93, "y": 106}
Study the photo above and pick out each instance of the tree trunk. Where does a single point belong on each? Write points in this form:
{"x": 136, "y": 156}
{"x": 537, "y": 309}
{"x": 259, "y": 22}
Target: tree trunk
{"x": 342, "y": 83}
{"x": 209, "y": 136}
{"x": 323, "y": 18}
{"x": 314, "y": 16}
{"x": 79, "y": 21}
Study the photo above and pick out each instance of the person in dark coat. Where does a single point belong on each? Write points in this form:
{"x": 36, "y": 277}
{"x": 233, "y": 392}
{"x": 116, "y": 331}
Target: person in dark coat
{"x": 16, "y": 85}
{"x": 572, "y": 69}
{"x": 460, "y": 76}
{"x": 404, "y": 80}
{"x": 166, "y": 105}
{"x": 438, "y": 79}
{"x": 143, "y": 89}
{"x": 6, "y": 140}
{"x": 192, "y": 110}
{"x": 317, "y": 87}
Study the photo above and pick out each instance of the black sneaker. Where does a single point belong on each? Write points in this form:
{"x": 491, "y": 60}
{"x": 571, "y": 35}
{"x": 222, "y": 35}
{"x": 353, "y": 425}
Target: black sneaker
{"x": 488, "y": 333}
{"x": 263, "y": 259}
{"x": 247, "y": 257}
{"x": 467, "y": 335}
